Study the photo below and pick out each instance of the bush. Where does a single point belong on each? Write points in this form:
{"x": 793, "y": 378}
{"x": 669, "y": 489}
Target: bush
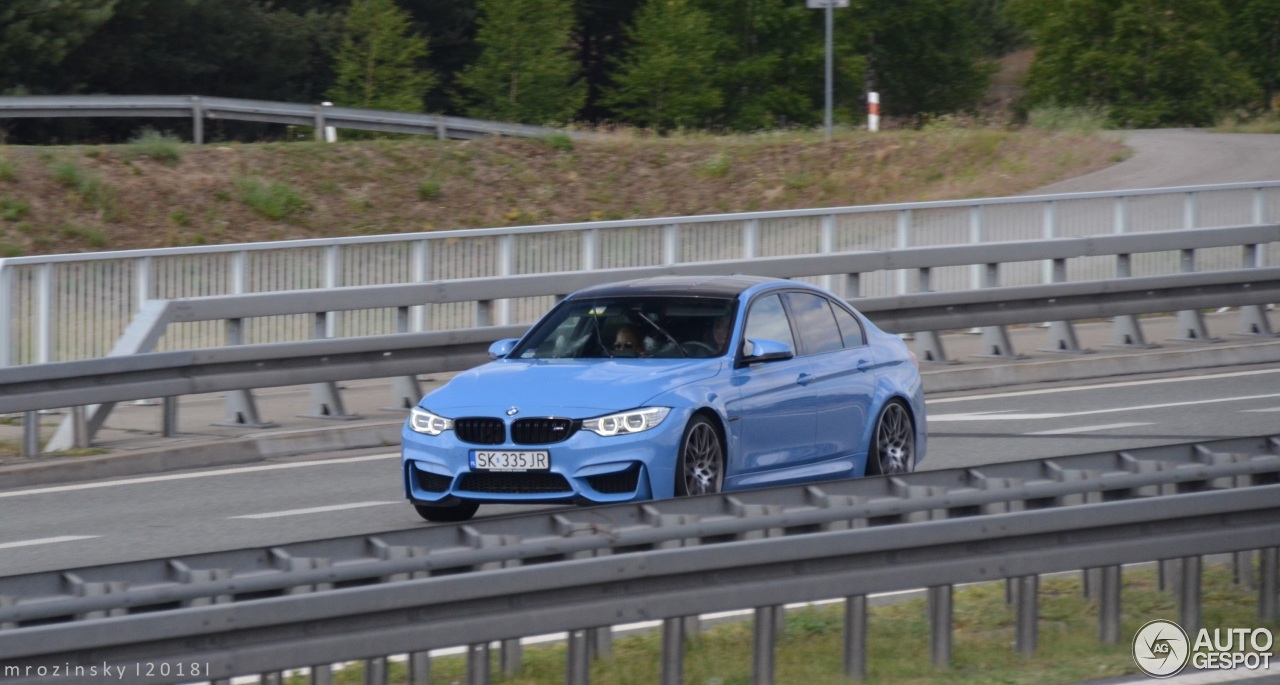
{"x": 1071, "y": 119}
{"x": 272, "y": 199}
{"x": 157, "y": 146}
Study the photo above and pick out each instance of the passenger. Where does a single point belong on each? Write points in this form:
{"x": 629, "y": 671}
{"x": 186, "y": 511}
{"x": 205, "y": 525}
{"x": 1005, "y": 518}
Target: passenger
{"x": 720, "y": 332}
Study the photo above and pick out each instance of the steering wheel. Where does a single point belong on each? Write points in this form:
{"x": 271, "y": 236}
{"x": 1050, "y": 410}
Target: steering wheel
{"x": 697, "y": 348}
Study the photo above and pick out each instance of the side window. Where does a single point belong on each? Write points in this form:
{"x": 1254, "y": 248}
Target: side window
{"x": 850, "y": 328}
{"x": 768, "y": 320}
{"x": 815, "y": 322}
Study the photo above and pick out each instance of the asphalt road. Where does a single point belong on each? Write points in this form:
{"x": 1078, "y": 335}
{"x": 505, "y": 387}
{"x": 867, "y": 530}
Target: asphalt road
{"x": 307, "y": 498}
{"x": 1182, "y": 157}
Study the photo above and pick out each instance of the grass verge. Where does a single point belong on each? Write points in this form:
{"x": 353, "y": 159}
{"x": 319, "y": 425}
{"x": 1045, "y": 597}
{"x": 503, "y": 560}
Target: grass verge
{"x": 809, "y": 651}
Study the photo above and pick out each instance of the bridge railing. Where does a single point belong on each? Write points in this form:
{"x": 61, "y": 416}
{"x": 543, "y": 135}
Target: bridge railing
{"x": 127, "y": 374}
{"x": 66, "y": 307}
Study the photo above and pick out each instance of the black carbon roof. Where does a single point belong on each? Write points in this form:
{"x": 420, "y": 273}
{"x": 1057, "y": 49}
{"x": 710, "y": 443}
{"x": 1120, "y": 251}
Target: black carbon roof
{"x": 689, "y": 286}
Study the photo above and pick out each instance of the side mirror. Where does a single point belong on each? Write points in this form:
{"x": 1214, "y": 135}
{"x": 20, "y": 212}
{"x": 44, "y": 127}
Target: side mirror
{"x": 765, "y": 350}
{"x": 502, "y": 348}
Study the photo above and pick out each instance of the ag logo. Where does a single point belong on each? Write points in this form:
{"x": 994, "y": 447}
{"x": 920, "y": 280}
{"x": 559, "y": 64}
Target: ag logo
{"x": 1161, "y": 649}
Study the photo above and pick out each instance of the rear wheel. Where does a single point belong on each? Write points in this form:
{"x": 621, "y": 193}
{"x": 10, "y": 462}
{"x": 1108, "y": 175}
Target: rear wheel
{"x": 700, "y": 467}
{"x": 893, "y": 445}
{"x": 456, "y": 512}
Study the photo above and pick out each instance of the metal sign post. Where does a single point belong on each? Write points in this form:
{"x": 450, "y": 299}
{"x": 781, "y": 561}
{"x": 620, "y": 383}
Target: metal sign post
{"x": 827, "y": 5}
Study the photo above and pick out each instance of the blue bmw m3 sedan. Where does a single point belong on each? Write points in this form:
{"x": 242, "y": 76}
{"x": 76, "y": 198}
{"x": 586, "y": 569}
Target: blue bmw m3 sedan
{"x": 668, "y": 387}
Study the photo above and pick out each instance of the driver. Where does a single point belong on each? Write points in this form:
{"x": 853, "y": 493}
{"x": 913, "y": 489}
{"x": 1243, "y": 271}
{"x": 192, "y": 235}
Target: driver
{"x": 627, "y": 343}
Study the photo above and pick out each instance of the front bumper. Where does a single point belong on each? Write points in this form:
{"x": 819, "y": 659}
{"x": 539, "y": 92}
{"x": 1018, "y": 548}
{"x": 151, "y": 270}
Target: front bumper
{"x": 584, "y": 468}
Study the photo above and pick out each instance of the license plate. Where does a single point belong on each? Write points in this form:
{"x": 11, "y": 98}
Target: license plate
{"x": 508, "y": 460}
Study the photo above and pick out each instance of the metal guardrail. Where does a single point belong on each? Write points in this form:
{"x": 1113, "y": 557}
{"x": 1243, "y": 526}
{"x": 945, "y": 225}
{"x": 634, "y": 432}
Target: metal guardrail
{"x": 199, "y": 109}
{"x": 50, "y": 312}
{"x": 315, "y": 603}
{"x": 102, "y": 382}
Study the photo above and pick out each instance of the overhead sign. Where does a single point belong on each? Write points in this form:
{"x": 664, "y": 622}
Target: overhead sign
{"x": 823, "y": 4}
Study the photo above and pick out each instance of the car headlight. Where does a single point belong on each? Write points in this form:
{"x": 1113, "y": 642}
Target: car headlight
{"x": 624, "y": 422}
{"x": 424, "y": 421}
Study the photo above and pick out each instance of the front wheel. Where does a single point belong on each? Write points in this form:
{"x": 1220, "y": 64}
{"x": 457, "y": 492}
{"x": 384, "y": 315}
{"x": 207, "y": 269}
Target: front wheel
{"x": 700, "y": 467}
{"x": 893, "y": 445}
{"x": 461, "y": 511}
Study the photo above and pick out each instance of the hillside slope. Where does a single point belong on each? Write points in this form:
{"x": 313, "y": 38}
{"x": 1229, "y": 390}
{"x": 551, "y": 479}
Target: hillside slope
{"x": 161, "y": 193}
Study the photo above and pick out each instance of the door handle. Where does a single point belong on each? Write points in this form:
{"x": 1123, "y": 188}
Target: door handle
{"x": 805, "y": 379}
{"x": 864, "y": 365}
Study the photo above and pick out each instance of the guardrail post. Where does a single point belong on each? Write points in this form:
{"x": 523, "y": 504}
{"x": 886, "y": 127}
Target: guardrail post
{"x": 765, "y": 639}
{"x": 1128, "y": 332}
{"x": 577, "y": 668}
{"x": 376, "y": 671}
{"x": 197, "y": 121}
{"x": 1189, "y": 595}
{"x": 939, "y": 608}
{"x": 902, "y": 240}
{"x": 31, "y": 434}
{"x": 6, "y": 315}
{"x": 827, "y": 245}
{"x": 995, "y": 339}
{"x": 928, "y": 343}
{"x": 855, "y": 637}
{"x": 1267, "y": 590}
{"x": 419, "y": 668}
{"x": 751, "y": 240}
{"x": 242, "y": 409}
{"x": 671, "y": 244}
{"x": 1253, "y": 317}
{"x": 1027, "y": 590}
{"x": 326, "y": 399}
{"x": 1190, "y": 321}
{"x": 79, "y": 428}
{"x": 1062, "y": 335}
{"x": 1242, "y": 569}
{"x": 506, "y": 267}
{"x": 1109, "y": 606}
{"x": 405, "y": 390}
{"x": 673, "y": 651}
{"x": 478, "y": 663}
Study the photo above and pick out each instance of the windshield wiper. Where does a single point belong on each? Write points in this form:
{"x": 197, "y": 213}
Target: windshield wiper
{"x": 595, "y": 326}
{"x": 664, "y": 333}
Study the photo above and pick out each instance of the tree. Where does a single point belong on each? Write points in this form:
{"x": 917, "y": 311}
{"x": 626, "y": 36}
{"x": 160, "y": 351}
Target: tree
{"x": 770, "y": 62}
{"x": 38, "y": 34}
{"x": 666, "y": 79}
{"x": 1255, "y": 40}
{"x": 526, "y": 71}
{"x": 927, "y": 56}
{"x": 1149, "y": 62}
{"x": 377, "y": 65}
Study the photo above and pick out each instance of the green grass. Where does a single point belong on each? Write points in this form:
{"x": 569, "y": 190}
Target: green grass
{"x": 809, "y": 651}
{"x": 8, "y": 169}
{"x": 92, "y": 236}
{"x": 557, "y": 141}
{"x": 718, "y": 166}
{"x": 428, "y": 190}
{"x": 157, "y": 146}
{"x": 84, "y": 183}
{"x": 1084, "y": 120}
{"x": 272, "y": 199}
{"x": 13, "y": 209}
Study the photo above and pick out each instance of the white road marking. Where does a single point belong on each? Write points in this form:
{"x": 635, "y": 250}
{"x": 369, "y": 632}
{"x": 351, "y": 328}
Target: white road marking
{"x": 1123, "y": 384}
{"x": 200, "y": 474}
{"x": 312, "y": 510}
{"x": 1002, "y": 416}
{"x": 1088, "y": 429}
{"x": 1268, "y": 409}
{"x": 46, "y": 541}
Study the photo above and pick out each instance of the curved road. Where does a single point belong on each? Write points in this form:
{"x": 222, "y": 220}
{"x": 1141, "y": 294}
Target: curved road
{"x": 1182, "y": 157}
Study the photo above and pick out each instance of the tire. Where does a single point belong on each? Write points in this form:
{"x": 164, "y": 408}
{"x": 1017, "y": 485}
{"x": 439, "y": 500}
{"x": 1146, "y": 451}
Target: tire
{"x": 700, "y": 465}
{"x": 893, "y": 444}
{"x": 462, "y": 511}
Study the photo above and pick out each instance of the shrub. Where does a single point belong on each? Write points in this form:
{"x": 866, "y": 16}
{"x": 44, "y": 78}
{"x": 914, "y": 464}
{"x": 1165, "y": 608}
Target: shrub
{"x": 272, "y": 199}
{"x": 428, "y": 190}
{"x": 157, "y": 146}
{"x": 13, "y": 210}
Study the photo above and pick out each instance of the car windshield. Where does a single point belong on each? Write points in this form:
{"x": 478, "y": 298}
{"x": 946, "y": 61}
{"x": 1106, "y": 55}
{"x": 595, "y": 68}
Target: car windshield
{"x": 632, "y": 327}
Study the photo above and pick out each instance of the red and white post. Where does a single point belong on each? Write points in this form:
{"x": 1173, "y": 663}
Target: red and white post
{"x": 873, "y": 111}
